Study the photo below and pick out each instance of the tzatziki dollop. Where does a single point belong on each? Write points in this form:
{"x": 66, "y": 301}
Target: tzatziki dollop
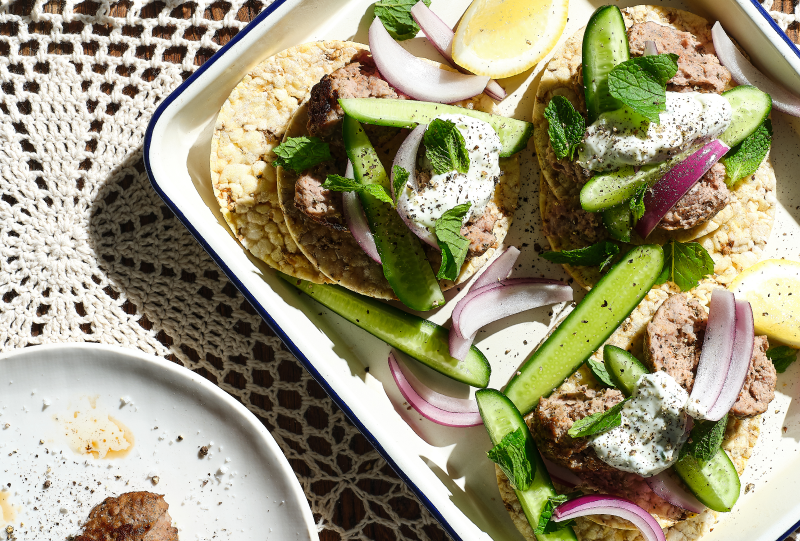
{"x": 442, "y": 192}
{"x": 622, "y": 137}
{"x": 652, "y": 431}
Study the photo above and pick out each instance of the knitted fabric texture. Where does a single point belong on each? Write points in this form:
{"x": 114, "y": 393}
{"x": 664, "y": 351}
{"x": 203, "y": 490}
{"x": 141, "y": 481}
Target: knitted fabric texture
{"x": 90, "y": 253}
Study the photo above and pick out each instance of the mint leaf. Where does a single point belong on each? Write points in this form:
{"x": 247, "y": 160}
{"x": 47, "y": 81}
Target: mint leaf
{"x": 637, "y": 203}
{"x": 399, "y": 180}
{"x": 782, "y": 357}
{"x": 454, "y": 246}
{"x": 599, "y": 254}
{"x": 566, "y": 126}
{"x": 685, "y": 264}
{"x": 745, "y": 158}
{"x": 445, "y": 147}
{"x": 301, "y": 153}
{"x": 600, "y": 372}
{"x": 396, "y": 17}
{"x": 597, "y": 423}
{"x": 641, "y": 83}
{"x": 705, "y": 439}
{"x": 512, "y": 455}
{"x": 546, "y": 525}
{"x": 338, "y": 183}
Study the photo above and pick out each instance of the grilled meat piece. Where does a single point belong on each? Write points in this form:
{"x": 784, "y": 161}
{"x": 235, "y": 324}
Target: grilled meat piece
{"x": 135, "y": 516}
{"x": 701, "y": 203}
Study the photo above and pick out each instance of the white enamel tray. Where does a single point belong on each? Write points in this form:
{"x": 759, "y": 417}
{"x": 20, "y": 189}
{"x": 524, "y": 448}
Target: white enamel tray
{"x": 446, "y": 467}
{"x": 242, "y": 489}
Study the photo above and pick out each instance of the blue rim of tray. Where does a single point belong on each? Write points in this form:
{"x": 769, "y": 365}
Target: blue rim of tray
{"x": 249, "y": 296}
{"x": 265, "y": 314}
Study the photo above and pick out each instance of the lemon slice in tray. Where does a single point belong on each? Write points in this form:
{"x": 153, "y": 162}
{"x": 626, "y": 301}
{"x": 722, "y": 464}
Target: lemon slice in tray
{"x": 501, "y": 38}
{"x": 773, "y": 289}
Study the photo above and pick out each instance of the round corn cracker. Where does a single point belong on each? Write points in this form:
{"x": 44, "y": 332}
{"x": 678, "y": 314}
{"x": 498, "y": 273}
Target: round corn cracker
{"x": 735, "y": 238}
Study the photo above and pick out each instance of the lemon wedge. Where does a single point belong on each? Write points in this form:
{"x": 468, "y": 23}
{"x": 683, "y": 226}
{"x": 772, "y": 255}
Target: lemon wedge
{"x": 773, "y": 289}
{"x": 501, "y": 38}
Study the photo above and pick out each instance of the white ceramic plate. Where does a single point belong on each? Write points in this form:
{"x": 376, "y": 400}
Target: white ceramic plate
{"x": 243, "y": 489}
{"x": 447, "y": 468}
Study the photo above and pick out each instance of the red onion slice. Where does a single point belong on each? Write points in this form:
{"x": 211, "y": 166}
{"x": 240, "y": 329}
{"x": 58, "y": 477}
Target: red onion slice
{"x": 650, "y": 48}
{"x": 715, "y": 357}
{"x": 561, "y": 475}
{"x": 458, "y": 345}
{"x": 610, "y": 505}
{"x": 425, "y": 408}
{"x": 357, "y": 221}
{"x": 741, "y": 358}
{"x": 417, "y": 78}
{"x": 441, "y": 36}
{"x": 744, "y": 73}
{"x": 500, "y": 268}
{"x": 671, "y": 490}
{"x": 406, "y": 158}
{"x": 674, "y": 185}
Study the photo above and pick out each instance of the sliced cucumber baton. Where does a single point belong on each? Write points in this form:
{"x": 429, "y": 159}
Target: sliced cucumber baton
{"x": 618, "y": 222}
{"x": 417, "y": 337}
{"x": 513, "y": 133}
{"x": 605, "y": 44}
{"x": 750, "y": 107}
{"x": 714, "y": 482}
{"x": 405, "y": 266}
{"x": 500, "y": 417}
{"x": 585, "y": 329}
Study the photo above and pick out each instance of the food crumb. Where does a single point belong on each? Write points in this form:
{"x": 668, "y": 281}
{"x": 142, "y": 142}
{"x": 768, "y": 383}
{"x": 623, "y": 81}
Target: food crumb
{"x": 203, "y": 451}
{"x": 155, "y": 479}
{"x": 47, "y": 484}
{"x": 749, "y": 487}
{"x": 180, "y": 437}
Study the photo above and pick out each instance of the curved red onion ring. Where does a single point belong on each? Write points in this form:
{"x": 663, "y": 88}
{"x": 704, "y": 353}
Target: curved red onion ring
{"x": 406, "y": 158}
{"x": 561, "y": 475}
{"x": 357, "y": 221}
{"x": 744, "y": 73}
{"x": 671, "y": 490}
{"x": 741, "y": 358}
{"x": 650, "y": 48}
{"x": 498, "y": 300}
{"x": 715, "y": 357}
{"x": 425, "y": 408}
{"x": 500, "y": 268}
{"x": 441, "y": 36}
{"x": 674, "y": 185}
{"x": 417, "y": 78}
{"x": 610, "y": 505}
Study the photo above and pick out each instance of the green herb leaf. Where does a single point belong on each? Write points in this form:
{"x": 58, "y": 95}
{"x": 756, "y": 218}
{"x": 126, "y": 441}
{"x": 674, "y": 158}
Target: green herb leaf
{"x": 637, "y": 203}
{"x": 599, "y": 254}
{"x": 600, "y": 372}
{"x": 705, "y": 439}
{"x": 685, "y": 264}
{"x": 338, "y": 183}
{"x": 512, "y": 455}
{"x": 396, "y": 17}
{"x": 301, "y": 153}
{"x": 745, "y": 158}
{"x": 546, "y": 525}
{"x": 454, "y": 246}
{"x": 598, "y": 423}
{"x": 641, "y": 83}
{"x": 782, "y": 357}
{"x": 399, "y": 179}
{"x": 566, "y": 126}
{"x": 445, "y": 147}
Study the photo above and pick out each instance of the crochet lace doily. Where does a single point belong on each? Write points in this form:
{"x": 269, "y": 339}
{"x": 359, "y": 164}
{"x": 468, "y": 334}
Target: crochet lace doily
{"x": 785, "y": 12}
{"x": 89, "y": 252}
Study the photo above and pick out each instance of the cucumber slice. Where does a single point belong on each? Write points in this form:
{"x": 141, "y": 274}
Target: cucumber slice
{"x": 513, "y": 133}
{"x": 714, "y": 482}
{"x": 585, "y": 329}
{"x": 750, "y": 107}
{"x": 404, "y": 263}
{"x": 605, "y": 44}
{"x": 500, "y": 417}
{"x": 417, "y": 337}
{"x": 618, "y": 222}
{"x": 623, "y": 368}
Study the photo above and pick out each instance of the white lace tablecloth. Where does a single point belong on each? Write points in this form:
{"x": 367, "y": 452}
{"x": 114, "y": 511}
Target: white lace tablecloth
{"x": 90, "y": 253}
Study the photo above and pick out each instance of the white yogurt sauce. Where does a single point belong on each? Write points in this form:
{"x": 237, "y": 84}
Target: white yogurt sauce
{"x": 448, "y": 190}
{"x": 652, "y": 431}
{"x": 623, "y": 137}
